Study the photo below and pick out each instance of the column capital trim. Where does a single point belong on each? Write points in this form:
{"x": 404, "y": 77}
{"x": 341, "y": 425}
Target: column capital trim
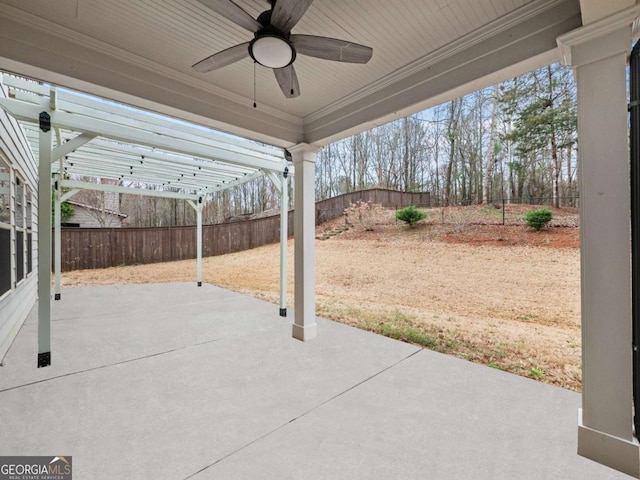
{"x": 304, "y": 147}
{"x": 626, "y": 18}
{"x": 304, "y": 152}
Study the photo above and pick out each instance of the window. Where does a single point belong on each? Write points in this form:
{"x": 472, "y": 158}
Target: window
{"x": 5, "y": 193}
{"x": 19, "y": 213}
{"x": 5, "y": 227}
{"x": 16, "y": 212}
{"x": 29, "y": 213}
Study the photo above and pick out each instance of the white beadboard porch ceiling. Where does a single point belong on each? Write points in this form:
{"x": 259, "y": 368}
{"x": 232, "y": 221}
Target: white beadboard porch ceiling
{"x": 63, "y": 39}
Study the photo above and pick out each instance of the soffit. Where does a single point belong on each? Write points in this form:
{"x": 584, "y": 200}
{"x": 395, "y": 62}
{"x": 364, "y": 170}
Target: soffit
{"x": 166, "y": 37}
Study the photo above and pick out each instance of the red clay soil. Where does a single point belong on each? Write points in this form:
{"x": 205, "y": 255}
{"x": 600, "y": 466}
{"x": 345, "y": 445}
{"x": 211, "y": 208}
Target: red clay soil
{"x": 511, "y": 235}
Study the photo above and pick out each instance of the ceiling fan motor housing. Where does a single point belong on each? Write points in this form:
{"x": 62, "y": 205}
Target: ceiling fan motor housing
{"x": 271, "y": 47}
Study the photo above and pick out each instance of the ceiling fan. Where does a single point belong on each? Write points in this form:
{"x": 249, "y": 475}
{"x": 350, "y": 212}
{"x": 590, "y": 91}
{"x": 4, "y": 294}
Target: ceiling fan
{"x": 274, "y": 45}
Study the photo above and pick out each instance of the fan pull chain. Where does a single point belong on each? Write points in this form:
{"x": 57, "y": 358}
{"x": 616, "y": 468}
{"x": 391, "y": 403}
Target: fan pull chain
{"x": 254, "y": 85}
{"x": 291, "y": 80}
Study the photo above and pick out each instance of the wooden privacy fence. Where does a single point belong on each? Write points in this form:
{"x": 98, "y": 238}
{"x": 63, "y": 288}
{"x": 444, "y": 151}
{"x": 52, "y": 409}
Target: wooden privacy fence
{"x": 109, "y": 247}
{"x": 84, "y": 248}
{"x": 334, "y": 207}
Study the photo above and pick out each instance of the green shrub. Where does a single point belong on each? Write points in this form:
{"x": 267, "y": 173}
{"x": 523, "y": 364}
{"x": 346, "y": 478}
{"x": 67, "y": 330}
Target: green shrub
{"x": 537, "y": 219}
{"x": 410, "y": 215}
{"x": 66, "y": 210}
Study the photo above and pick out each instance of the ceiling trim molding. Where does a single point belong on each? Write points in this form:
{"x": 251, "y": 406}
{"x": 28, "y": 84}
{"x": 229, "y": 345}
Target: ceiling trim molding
{"x": 530, "y": 38}
{"x": 510, "y": 20}
{"x": 627, "y": 18}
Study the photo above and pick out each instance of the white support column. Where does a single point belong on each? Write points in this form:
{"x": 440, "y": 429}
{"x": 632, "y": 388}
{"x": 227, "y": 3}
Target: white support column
{"x": 284, "y": 237}
{"x": 199, "y": 242}
{"x": 304, "y": 161}
{"x": 198, "y": 208}
{"x": 598, "y": 52}
{"x": 44, "y": 242}
{"x": 57, "y": 238}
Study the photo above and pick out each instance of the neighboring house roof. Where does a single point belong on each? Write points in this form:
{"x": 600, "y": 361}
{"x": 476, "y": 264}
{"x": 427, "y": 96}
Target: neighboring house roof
{"x": 89, "y": 207}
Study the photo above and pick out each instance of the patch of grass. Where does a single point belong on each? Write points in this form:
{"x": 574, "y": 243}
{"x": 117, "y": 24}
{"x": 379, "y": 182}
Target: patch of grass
{"x": 537, "y": 373}
{"x": 407, "y": 333}
{"x": 491, "y": 212}
{"x": 393, "y": 324}
{"x": 512, "y": 357}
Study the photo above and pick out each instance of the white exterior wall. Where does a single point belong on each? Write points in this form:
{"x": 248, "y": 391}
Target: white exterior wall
{"x": 16, "y": 304}
{"x": 86, "y": 219}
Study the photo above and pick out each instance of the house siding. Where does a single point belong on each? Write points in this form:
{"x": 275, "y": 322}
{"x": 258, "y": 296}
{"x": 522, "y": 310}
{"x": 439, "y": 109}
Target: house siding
{"x": 16, "y": 303}
{"x": 84, "y": 219}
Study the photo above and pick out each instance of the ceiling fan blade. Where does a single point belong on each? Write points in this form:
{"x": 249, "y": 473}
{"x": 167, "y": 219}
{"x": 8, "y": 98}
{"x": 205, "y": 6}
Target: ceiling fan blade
{"x": 288, "y": 81}
{"x": 223, "y": 58}
{"x": 331, "y": 49}
{"x": 286, "y": 13}
{"x": 233, "y": 12}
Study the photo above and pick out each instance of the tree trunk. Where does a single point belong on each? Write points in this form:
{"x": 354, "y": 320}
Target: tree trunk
{"x": 491, "y": 157}
{"x": 452, "y": 132}
{"x": 556, "y": 169}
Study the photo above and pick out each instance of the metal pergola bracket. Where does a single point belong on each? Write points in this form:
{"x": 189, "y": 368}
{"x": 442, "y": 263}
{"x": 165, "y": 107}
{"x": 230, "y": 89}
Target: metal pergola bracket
{"x": 44, "y": 359}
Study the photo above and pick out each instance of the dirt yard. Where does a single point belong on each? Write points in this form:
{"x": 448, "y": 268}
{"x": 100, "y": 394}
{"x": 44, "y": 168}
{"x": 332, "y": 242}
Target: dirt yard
{"x": 502, "y": 296}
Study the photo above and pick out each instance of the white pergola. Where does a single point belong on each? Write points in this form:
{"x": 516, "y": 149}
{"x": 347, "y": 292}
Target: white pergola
{"x": 75, "y": 135}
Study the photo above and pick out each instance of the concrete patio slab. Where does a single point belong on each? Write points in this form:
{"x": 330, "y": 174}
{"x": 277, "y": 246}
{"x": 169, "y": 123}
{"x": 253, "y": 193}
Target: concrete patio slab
{"x": 120, "y": 323}
{"x": 173, "y": 382}
{"x": 430, "y": 416}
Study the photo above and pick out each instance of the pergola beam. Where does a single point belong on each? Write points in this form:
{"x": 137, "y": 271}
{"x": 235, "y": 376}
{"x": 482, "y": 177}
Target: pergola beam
{"x": 120, "y": 189}
{"x": 28, "y": 112}
{"x": 276, "y": 180}
{"x": 66, "y": 196}
{"x": 135, "y": 153}
{"x": 31, "y": 91}
{"x": 156, "y": 171}
{"x": 66, "y": 148}
{"x": 126, "y": 163}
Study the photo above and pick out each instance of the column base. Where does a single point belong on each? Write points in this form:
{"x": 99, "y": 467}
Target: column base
{"x": 199, "y": 284}
{"x": 283, "y": 312}
{"x": 617, "y": 453}
{"x": 57, "y": 296}
{"x": 44, "y": 359}
{"x": 305, "y": 333}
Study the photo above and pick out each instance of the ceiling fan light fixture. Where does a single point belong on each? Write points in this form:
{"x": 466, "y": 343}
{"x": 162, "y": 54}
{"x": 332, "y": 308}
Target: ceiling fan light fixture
{"x": 272, "y": 51}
